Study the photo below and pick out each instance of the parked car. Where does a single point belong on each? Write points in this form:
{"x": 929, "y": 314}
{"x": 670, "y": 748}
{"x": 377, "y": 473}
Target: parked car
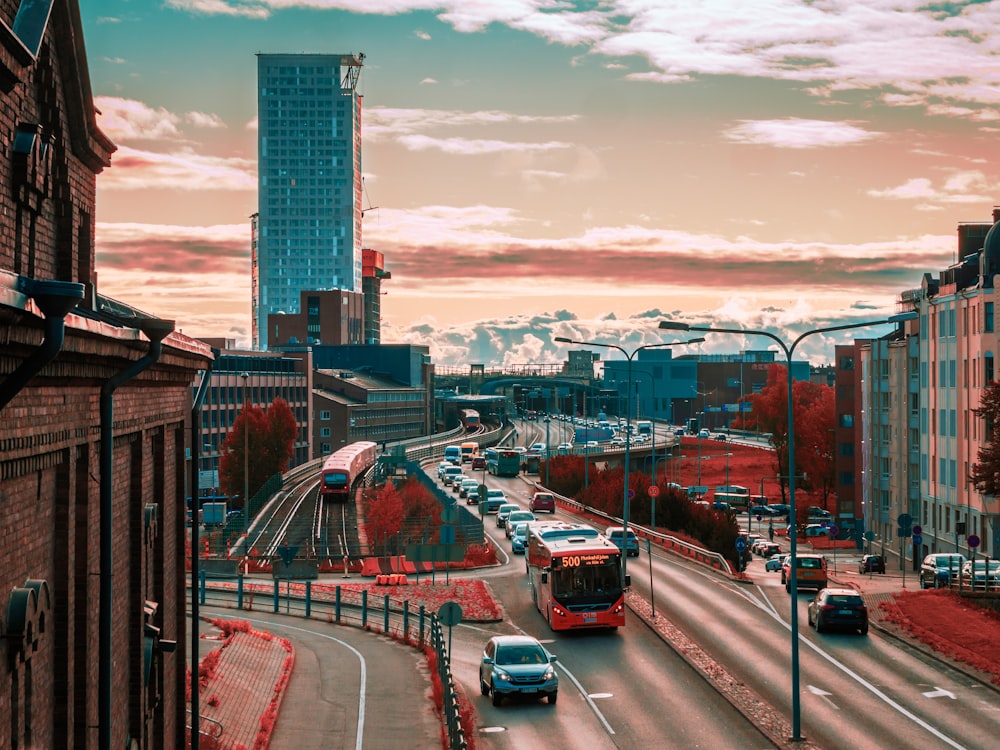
{"x": 719, "y": 436}
{"x": 817, "y": 529}
{"x": 517, "y": 665}
{"x": 810, "y": 572}
{"x": 940, "y": 569}
{"x": 703, "y": 433}
{"x": 838, "y": 607}
{"x": 981, "y": 573}
{"x": 514, "y": 517}
{"x": 773, "y": 563}
{"x": 542, "y": 501}
{"x": 820, "y": 513}
{"x": 871, "y": 564}
{"x": 505, "y": 510}
{"x": 616, "y": 533}
{"x": 780, "y": 509}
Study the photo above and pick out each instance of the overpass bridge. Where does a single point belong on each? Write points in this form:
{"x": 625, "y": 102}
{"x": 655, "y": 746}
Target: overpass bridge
{"x": 549, "y": 387}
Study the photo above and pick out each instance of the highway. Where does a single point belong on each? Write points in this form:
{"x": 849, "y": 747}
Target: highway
{"x": 872, "y": 691}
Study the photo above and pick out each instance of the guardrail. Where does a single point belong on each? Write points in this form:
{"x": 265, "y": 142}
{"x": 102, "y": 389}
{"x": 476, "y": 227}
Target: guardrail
{"x": 389, "y": 615}
{"x": 666, "y": 541}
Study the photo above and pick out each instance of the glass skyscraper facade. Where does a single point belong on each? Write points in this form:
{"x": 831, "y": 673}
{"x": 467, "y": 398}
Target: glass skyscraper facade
{"x": 307, "y": 231}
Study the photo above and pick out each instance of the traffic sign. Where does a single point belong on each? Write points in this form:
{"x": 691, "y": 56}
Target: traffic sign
{"x": 450, "y": 613}
{"x": 973, "y": 541}
{"x": 870, "y": 535}
{"x": 917, "y": 530}
{"x": 287, "y": 553}
{"x": 905, "y": 520}
{"x": 834, "y": 531}
{"x": 653, "y": 490}
{"x": 918, "y": 539}
{"x": 741, "y": 544}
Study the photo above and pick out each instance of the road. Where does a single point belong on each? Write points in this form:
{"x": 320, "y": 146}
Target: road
{"x": 856, "y": 691}
{"x": 616, "y": 689}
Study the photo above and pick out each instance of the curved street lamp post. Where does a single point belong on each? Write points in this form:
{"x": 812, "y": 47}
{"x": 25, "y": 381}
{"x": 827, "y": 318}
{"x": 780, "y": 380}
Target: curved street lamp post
{"x": 671, "y": 325}
{"x": 628, "y": 425}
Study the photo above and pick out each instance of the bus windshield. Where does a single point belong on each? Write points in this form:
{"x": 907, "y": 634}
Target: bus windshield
{"x": 586, "y": 585}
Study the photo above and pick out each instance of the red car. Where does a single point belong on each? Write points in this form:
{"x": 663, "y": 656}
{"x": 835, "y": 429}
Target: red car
{"x": 542, "y": 501}
{"x": 479, "y": 462}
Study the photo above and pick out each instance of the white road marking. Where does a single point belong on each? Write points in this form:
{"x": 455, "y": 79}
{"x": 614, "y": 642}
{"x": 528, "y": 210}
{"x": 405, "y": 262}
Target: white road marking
{"x": 939, "y": 693}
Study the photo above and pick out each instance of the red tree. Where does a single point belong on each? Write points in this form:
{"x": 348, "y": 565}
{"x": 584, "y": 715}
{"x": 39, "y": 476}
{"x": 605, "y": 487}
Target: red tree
{"x": 260, "y": 444}
{"x": 985, "y": 473}
{"x": 813, "y": 409}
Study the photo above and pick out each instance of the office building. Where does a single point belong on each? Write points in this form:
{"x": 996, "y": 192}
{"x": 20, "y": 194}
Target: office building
{"x": 306, "y": 234}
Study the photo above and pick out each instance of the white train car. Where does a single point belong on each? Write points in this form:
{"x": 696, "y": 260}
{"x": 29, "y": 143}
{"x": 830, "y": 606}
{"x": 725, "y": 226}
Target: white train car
{"x": 343, "y": 468}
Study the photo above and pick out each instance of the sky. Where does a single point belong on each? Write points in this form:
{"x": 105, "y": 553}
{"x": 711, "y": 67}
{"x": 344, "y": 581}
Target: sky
{"x": 543, "y": 168}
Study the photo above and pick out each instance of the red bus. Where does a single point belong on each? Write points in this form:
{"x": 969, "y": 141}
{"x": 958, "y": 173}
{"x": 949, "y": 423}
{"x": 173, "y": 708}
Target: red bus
{"x": 342, "y": 470}
{"x": 574, "y": 575}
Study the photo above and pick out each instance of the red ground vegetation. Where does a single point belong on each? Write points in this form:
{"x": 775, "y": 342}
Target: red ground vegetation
{"x": 951, "y": 625}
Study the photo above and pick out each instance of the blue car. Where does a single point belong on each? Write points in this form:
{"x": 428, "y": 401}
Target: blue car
{"x": 519, "y": 538}
{"x": 615, "y": 534}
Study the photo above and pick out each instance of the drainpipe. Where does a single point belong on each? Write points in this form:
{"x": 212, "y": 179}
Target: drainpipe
{"x": 55, "y": 299}
{"x": 155, "y": 330}
{"x": 199, "y": 399}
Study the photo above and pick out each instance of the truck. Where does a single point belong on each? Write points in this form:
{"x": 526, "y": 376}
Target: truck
{"x": 213, "y": 514}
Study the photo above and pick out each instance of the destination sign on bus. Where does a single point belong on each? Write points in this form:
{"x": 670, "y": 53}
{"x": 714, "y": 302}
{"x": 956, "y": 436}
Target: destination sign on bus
{"x": 582, "y": 561}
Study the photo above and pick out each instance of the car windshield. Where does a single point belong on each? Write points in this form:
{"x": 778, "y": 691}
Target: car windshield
{"x": 520, "y": 655}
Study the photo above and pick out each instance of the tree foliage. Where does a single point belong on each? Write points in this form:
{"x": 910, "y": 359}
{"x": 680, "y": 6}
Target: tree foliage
{"x": 985, "y": 473}
{"x": 261, "y": 444}
{"x": 813, "y": 407}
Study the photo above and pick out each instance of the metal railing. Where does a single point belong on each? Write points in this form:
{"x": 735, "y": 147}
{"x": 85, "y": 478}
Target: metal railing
{"x": 319, "y": 600}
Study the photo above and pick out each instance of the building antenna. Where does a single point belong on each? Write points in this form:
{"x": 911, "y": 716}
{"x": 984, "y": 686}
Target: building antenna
{"x": 364, "y": 186}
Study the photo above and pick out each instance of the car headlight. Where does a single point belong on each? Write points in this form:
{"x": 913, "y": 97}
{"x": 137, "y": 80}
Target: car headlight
{"x": 549, "y": 673}
{"x": 500, "y": 675}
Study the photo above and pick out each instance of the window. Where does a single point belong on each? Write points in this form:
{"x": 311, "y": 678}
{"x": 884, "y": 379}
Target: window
{"x": 988, "y": 322}
{"x": 847, "y": 420}
{"x": 324, "y": 415}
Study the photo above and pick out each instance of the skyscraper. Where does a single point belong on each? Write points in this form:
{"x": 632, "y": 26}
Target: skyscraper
{"x": 307, "y": 230}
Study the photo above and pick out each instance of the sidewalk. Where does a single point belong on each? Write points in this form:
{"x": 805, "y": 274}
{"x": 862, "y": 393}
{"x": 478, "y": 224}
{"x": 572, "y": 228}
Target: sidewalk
{"x": 241, "y": 697}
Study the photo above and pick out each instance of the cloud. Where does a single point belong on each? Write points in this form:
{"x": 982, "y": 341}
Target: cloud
{"x": 960, "y": 187}
{"x": 939, "y": 56}
{"x": 476, "y": 146}
{"x": 133, "y": 169}
{"x": 797, "y": 133}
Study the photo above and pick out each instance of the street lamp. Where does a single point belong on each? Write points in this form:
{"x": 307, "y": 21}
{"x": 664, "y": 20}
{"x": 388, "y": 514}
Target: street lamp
{"x": 628, "y": 424}
{"x": 671, "y": 325}
{"x": 246, "y": 455}
{"x": 548, "y": 450}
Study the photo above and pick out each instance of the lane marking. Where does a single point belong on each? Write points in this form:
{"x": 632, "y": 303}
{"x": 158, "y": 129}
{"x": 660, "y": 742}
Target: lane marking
{"x": 940, "y": 693}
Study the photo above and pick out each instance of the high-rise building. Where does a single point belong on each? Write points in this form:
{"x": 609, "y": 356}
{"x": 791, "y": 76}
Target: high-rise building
{"x": 307, "y": 229}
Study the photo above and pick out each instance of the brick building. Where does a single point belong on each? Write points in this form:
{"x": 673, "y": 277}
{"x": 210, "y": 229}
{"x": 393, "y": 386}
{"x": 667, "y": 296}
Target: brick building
{"x": 95, "y": 417}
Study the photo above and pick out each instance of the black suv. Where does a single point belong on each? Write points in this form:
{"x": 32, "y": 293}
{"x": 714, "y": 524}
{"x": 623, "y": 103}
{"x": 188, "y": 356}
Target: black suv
{"x": 871, "y": 564}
